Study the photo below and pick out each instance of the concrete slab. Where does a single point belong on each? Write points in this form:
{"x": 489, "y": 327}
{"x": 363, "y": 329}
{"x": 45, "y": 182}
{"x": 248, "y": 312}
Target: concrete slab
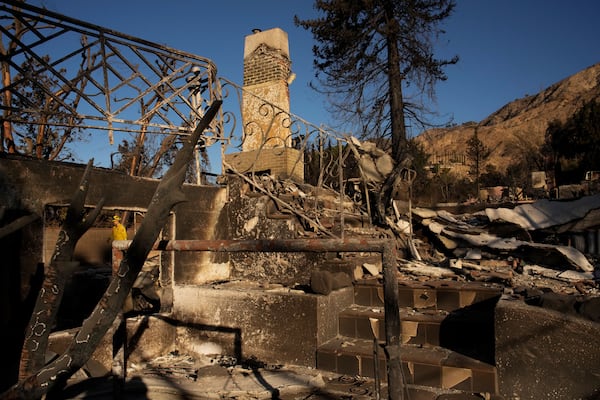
{"x": 216, "y": 382}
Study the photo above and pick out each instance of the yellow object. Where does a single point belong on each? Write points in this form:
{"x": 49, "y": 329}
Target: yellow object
{"x": 118, "y": 231}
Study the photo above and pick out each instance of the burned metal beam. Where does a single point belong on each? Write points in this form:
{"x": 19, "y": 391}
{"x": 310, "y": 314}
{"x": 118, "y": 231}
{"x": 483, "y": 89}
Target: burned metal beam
{"x": 275, "y": 245}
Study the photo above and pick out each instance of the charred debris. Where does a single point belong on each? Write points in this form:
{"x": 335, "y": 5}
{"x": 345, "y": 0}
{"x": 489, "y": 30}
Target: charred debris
{"x": 545, "y": 252}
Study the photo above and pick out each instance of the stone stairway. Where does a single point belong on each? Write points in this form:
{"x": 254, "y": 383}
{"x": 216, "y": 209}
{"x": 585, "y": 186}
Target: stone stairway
{"x": 447, "y": 337}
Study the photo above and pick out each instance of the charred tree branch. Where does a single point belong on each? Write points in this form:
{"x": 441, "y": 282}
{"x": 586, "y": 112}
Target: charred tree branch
{"x": 50, "y": 296}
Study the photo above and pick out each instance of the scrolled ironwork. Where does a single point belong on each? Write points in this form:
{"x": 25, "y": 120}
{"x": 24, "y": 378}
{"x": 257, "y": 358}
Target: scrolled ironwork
{"x": 323, "y": 153}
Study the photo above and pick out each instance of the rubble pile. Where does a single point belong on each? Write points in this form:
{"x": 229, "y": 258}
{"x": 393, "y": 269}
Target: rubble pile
{"x": 545, "y": 253}
{"x": 540, "y": 251}
{"x": 552, "y": 246}
{"x": 173, "y": 365}
{"x": 316, "y": 208}
{"x": 534, "y": 250}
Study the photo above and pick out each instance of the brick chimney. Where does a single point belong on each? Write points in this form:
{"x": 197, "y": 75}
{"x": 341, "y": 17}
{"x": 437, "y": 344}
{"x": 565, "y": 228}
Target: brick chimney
{"x": 267, "y": 67}
{"x": 267, "y": 139}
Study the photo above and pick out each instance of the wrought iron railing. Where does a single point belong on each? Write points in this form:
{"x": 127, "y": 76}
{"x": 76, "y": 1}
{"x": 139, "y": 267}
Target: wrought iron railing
{"x": 329, "y": 159}
{"x": 302, "y": 135}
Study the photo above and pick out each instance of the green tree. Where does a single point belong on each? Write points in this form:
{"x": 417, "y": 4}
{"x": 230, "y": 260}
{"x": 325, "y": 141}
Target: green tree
{"x": 419, "y": 163}
{"x": 367, "y": 53}
{"x": 573, "y": 147}
{"x": 445, "y": 186}
{"x": 518, "y": 179}
{"x": 444, "y": 179}
{"x": 491, "y": 176}
{"x": 477, "y": 153}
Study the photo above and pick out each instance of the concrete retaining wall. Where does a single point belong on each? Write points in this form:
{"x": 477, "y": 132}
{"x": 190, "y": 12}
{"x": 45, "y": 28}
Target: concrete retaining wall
{"x": 274, "y": 325}
{"x": 544, "y": 354}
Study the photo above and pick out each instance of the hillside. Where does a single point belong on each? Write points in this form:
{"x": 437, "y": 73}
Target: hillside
{"x": 511, "y": 130}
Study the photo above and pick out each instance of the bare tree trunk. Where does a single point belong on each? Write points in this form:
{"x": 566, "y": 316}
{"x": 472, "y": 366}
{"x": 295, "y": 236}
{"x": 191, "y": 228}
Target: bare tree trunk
{"x": 50, "y": 296}
{"x": 398, "y": 133}
{"x": 395, "y": 79}
{"x": 7, "y": 141}
{"x": 167, "y": 195}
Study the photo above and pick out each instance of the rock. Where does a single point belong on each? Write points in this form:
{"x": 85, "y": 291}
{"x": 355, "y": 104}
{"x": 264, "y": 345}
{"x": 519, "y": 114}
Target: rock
{"x": 321, "y": 282}
{"x": 324, "y": 282}
{"x": 558, "y": 302}
{"x": 372, "y": 269}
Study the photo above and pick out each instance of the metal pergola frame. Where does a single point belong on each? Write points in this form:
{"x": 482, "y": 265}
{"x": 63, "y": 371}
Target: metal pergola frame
{"x": 102, "y": 77}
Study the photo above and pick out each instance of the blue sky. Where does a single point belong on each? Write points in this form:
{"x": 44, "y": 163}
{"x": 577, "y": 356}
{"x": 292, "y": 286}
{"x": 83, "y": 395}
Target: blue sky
{"x": 507, "y": 48}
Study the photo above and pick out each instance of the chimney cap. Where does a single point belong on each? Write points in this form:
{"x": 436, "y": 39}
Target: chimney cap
{"x": 256, "y": 30}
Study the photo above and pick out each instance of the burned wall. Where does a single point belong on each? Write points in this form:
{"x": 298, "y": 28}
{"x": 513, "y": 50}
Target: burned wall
{"x": 251, "y": 215}
{"x": 28, "y": 185}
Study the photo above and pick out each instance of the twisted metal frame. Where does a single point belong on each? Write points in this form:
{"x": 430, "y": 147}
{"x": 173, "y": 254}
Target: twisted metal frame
{"x": 108, "y": 80}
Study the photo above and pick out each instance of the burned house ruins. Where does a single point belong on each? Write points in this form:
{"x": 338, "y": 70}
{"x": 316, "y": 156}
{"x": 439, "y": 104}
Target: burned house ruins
{"x": 271, "y": 281}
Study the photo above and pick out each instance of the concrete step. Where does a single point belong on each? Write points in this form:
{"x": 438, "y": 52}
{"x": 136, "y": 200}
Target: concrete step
{"x": 435, "y": 295}
{"x": 417, "y": 327}
{"x": 423, "y": 366}
{"x": 455, "y": 315}
{"x": 469, "y": 330}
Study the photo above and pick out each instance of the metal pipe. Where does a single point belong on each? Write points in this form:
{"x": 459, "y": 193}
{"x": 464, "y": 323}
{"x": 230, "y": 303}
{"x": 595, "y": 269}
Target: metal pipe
{"x": 341, "y": 183}
{"x": 374, "y": 323}
{"x": 392, "y": 323}
{"x": 275, "y": 245}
